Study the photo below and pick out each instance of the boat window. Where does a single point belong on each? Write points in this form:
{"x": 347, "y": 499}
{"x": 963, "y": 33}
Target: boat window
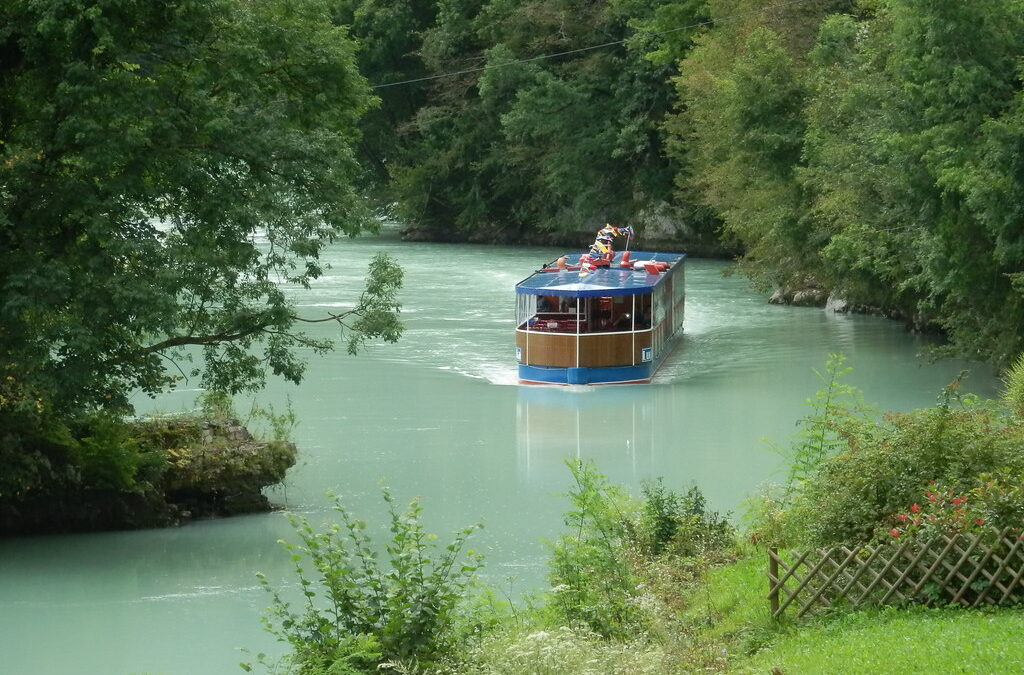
{"x": 679, "y": 299}
{"x": 609, "y": 314}
{"x": 643, "y": 311}
{"x": 549, "y": 314}
{"x": 526, "y": 308}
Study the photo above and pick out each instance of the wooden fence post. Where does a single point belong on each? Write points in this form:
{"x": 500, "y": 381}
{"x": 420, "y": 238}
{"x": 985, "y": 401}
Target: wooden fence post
{"x": 773, "y": 579}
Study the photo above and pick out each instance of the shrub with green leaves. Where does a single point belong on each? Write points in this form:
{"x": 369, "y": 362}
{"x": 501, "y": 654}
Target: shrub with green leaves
{"x": 1013, "y": 393}
{"x": 599, "y": 566}
{"x": 680, "y": 524}
{"x": 997, "y": 503}
{"x": 659, "y": 516}
{"x": 887, "y": 464}
{"x": 834, "y": 407}
{"x": 357, "y": 613}
{"x": 591, "y": 576}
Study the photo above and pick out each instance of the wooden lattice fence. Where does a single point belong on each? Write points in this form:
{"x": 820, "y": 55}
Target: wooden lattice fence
{"x": 966, "y": 569}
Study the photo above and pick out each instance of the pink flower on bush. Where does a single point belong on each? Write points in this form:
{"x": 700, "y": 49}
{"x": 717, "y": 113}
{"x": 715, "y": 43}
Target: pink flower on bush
{"x": 915, "y": 508}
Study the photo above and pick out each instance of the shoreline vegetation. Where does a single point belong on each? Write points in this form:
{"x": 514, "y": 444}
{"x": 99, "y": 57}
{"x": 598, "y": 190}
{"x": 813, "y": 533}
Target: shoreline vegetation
{"x": 159, "y": 180}
{"x": 163, "y": 471}
{"x": 662, "y": 584}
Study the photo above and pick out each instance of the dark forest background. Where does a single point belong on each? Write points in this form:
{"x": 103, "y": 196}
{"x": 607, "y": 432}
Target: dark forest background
{"x": 870, "y": 149}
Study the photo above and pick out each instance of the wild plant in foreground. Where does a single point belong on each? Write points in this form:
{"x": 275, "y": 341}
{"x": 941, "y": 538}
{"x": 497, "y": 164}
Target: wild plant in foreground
{"x": 358, "y": 613}
{"x": 592, "y": 580}
{"x": 680, "y": 524}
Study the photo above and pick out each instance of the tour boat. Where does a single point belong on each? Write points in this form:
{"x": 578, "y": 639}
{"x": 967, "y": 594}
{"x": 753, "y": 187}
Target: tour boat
{"x": 608, "y": 319}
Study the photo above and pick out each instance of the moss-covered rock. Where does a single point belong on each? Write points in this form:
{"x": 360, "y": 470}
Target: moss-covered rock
{"x": 184, "y": 468}
{"x": 216, "y": 467}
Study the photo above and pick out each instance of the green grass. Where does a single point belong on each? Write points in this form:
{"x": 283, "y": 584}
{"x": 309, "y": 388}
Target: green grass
{"x": 718, "y": 621}
{"x": 728, "y": 619}
{"x": 727, "y": 601}
{"x": 898, "y": 641}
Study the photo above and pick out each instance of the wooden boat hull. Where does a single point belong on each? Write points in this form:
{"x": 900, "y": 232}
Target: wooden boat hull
{"x": 640, "y": 373}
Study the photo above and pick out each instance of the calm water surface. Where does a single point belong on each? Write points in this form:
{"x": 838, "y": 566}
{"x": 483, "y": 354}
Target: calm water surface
{"x": 440, "y": 416}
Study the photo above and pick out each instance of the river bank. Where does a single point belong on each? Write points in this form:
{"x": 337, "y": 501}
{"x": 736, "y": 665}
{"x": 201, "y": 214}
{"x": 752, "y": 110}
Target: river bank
{"x": 438, "y": 415}
{"x": 669, "y": 237}
{"x": 664, "y": 584}
{"x": 183, "y": 469}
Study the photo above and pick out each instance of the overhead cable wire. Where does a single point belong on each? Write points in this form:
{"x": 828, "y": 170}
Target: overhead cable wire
{"x": 589, "y": 48}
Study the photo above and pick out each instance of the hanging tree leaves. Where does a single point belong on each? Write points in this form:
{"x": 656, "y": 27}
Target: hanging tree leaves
{"x": 163, "y": 168}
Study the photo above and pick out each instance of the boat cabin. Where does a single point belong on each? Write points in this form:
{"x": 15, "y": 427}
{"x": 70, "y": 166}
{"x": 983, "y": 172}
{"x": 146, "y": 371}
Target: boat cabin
{"x": 599, "y": 321}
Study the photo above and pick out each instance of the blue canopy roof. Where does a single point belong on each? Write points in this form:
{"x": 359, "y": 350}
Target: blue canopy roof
{"x": 613, "y": 280}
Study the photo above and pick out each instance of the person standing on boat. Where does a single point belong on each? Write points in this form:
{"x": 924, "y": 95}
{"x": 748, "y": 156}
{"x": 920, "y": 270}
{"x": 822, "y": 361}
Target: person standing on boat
{"x": 602, "y": 245}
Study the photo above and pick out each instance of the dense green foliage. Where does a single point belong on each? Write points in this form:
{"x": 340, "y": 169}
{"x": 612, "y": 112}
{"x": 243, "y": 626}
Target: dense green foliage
{"x": 597, "y": 567}
{"x": 357, "y": 613}
{"x": 888, "y": 467}
{"x": 148, "y": 151}
{"x": 414, "y": 613}
{"x": 592, "y": 581}
{"x": 873, "y": 152}
{"x": 166, "y": 171}
{"x": 679, "y": 525}
{"x": 502, "y": 141}
{"x": 866, "y": 148}
{"x": 856, "y": 476}
{"x": 102, "y": 472}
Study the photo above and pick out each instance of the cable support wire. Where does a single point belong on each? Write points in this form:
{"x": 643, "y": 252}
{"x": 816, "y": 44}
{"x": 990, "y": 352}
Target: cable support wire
{"x": 589, "y": 48}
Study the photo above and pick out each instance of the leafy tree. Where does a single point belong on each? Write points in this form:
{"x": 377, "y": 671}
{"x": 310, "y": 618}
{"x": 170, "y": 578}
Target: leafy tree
{"x": 534, "y": 145}
{"x": 907, "y": 150}
{"x": 739, "y": 133}
{"x": 959, "y": 68}
{"x": 163, "y": 167}
{"x": 854, "y": 175}
{"x": 874, "y": 153}
{"x": 447, "y": 179}
{"x": 389, "y": 36}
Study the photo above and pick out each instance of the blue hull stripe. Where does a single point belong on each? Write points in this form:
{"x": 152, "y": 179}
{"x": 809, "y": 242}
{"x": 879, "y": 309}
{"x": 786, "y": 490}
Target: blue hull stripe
{"x": 609, "y": 375}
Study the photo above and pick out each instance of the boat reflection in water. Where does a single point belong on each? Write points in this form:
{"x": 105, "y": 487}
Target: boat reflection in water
{"x": 689, "y": 433}
{"x": 614, "y": 427}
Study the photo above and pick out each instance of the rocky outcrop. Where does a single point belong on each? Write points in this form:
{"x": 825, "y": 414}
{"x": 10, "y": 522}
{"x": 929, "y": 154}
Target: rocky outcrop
{"x": 802, "y": 297}
{"x": 186, "y": 468}
{"x": 216, "y": 467}
{"x": 837, "y": 305}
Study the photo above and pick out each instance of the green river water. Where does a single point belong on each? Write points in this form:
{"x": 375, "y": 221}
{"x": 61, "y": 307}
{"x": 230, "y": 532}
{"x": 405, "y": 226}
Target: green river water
{"x": 439, "y": 415}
